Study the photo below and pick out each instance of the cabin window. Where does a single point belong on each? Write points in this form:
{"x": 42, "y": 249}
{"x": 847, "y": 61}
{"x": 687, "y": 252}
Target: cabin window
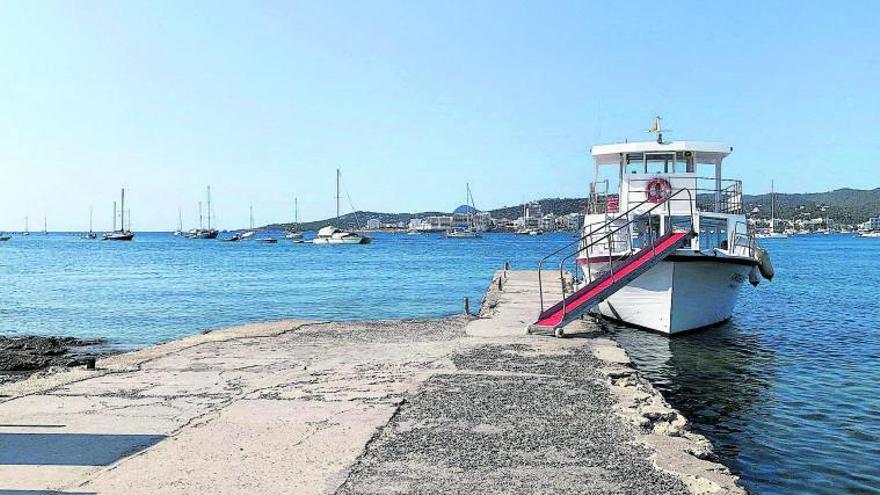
{"x": 678, "y": 223}
{"x": 713, "y": 233}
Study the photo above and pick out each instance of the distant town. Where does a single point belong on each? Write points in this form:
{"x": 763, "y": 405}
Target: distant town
{"x": 839, "y": 210}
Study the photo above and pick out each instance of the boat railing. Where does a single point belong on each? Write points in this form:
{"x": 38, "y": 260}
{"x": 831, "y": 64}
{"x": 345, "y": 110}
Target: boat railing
{"x": 606, "y": 231}
{"x": 708, "y": 196}
{"x": 742, "y": 239}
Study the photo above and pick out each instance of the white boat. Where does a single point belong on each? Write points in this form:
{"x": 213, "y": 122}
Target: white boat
{"x": 874, "y": 233}
{"x": 122, "y": 234}
{"x": 334, "y": 235}
{"x": 668, "y": 249}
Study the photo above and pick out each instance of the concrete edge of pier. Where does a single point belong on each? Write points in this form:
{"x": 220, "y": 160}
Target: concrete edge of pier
{"x": 339, "y": 402}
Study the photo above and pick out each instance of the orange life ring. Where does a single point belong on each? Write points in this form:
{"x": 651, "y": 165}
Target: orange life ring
{"x": 658, "y": 190}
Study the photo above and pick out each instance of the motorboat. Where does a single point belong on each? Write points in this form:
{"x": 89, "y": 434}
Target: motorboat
{"x": 463, "y": 234}
{"x": 333, "y": 235}
{"x": 4, "y": 237}
{"x": 665, "y": 245}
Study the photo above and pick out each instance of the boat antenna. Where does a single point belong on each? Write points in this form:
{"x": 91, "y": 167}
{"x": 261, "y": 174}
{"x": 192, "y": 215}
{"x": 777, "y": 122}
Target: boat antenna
{"x": 657, "y": 129}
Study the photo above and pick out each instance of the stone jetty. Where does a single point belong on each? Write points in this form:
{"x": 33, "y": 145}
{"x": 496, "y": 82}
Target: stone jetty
{"x": 461, "y": 405}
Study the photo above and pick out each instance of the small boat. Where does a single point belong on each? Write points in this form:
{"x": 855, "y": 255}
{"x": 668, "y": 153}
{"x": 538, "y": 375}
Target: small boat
{"x": 91, "y": 233}
{"x": 122, "y": 234}
{"x": 234, "y": 238}
{"x": 5, "y": 237}
{"x": 266, "y": 240}
{"x": 463, "y": 234}
{"x": 413, "y": 232}
{"x": 179, "y": 231}
{"x": 334, "y": 235}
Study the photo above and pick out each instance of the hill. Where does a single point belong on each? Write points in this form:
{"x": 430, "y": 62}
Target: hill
{"x": 847, "y": 206}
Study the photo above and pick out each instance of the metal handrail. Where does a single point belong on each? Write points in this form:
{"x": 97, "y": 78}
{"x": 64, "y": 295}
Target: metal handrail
{"x": 750, "y": 238}
{"x": 666, "y": 202}
{"x": 563, "y": 248}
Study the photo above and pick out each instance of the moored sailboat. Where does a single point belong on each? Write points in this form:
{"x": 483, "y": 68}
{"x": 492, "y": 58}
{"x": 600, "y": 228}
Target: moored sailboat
{"x": 122, "y": 234}
{"x": 468, "y": 231}
{"x": 294, "y": 233}
{"x": 210, "y": 232}
{"x": 91, "y": 233}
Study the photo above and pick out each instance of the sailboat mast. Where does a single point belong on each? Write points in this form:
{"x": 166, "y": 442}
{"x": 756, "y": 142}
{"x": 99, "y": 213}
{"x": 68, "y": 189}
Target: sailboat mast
{"x": 772, "y": 210}
{"x": 337, "y": 196}
{"x": 45, "y": 225}
{"x": 90, "y": 220}
{"x": 122, "y": 212}
{"x": 252, "y": 217}
{"x": 26, "y": 229}
{"x": 200, "y": 215}
{"x": 179, "y": 219}
{"x": 209, "y": 207}
{"x": 114, "y": 216}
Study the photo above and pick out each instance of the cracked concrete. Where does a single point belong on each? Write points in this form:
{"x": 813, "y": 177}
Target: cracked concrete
{"x": 456, "y": 405}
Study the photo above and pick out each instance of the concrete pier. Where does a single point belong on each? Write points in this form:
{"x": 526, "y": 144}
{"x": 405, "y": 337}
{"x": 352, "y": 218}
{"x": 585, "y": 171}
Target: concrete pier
{"x": 455, "y": 405}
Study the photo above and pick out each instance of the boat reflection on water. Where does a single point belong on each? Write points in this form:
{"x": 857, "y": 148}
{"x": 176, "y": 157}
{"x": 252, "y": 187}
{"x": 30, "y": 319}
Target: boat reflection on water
{"x": 715, "y": 377}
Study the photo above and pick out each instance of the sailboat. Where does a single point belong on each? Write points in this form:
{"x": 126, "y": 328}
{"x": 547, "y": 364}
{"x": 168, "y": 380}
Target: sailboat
{"x": 26, "y": 229}
{"x": 91, "y": 234}
{"x": 334, "y": 235}
{"x": 122, "y": 234}
{"x": 45, "y": 226}
{"x": 294, "y": 233}
{"x": 772, "y": 234}
{"x": 252, "y": 232}
{"x": 470, "y": 231}
{"x": 200, "y": 233}
{"x": 179, "y": 230}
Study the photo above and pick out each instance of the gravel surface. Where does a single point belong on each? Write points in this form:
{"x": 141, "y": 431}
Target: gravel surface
{"x": 510, "y": 421}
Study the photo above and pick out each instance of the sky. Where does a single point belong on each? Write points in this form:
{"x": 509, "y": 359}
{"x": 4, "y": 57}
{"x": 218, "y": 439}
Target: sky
{"x": 412, "y": 100}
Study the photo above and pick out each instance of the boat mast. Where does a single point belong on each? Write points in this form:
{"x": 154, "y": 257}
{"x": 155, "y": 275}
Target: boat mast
{"x": 179, "y": 220}
{"x": 26, "y": 229}
{"x": 252, "y": 217}
{"x": 209, "y": 207}
{"x": 295, "y": 214}
{"x": 200, "y": 215}
{"x": 45, "y": 225}
{"x": 122, "y": 211}
{"x": 337, "y": 196}
{"x": 90, "y": 220}
{"x": 114, "y": 216}
{"x": 772, "y": 211}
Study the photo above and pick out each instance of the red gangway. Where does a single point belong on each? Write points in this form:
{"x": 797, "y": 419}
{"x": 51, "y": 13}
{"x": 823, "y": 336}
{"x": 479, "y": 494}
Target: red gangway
{"x": 587, "y": 297}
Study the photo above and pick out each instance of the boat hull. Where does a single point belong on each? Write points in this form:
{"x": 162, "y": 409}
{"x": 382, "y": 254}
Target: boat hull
{"x": 679, "y": 296}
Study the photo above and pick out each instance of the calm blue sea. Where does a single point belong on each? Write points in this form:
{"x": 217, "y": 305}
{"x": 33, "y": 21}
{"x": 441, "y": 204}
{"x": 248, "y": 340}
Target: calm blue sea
{"x": 789, "y": 390}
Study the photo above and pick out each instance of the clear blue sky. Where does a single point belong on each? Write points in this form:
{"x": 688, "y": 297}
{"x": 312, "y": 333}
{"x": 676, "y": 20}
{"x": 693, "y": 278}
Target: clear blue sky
{"x": 264, "y": 100}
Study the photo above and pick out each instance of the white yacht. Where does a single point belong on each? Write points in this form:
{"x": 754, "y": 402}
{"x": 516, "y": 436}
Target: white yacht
{"x": 665, "y": 245}
{"x": 334, "y": 235}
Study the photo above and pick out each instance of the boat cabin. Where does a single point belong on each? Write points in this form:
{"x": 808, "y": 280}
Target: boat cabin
{"x": 659, "y": 187}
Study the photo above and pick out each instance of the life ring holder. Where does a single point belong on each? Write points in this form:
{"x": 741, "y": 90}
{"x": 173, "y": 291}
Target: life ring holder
{"x": 658, "y": 190}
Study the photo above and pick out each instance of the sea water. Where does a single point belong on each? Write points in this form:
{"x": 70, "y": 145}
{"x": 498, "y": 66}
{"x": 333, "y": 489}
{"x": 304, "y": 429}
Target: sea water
{"x": 788, "y": 390}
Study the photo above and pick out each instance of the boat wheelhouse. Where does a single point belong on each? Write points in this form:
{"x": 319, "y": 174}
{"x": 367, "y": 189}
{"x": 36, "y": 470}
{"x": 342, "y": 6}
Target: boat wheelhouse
{"x": 665, "y": 244}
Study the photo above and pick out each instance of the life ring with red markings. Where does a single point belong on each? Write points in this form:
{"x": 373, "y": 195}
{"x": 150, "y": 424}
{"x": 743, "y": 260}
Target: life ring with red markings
{"x": 658, "y": 190}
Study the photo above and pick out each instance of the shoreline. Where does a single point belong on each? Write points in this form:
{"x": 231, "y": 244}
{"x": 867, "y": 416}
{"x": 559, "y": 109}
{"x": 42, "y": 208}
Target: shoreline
{"x": 357, "y": 407}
